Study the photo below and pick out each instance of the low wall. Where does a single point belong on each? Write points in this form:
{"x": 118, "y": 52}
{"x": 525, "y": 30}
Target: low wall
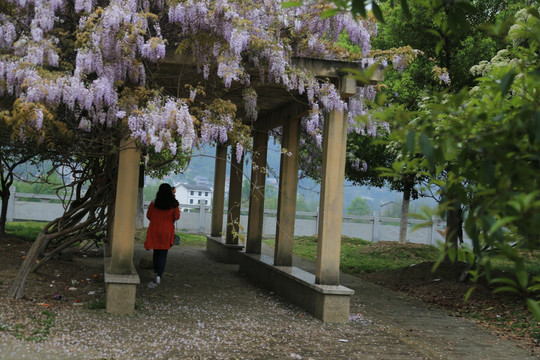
{"x": 197, "y": 219}
{"x": 329, "y": 303}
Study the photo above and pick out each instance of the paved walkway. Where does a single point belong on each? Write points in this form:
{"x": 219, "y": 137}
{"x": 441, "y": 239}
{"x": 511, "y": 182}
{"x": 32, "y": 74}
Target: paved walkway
{"x": 433, "y": 332}
{"x": 206, "y": 310}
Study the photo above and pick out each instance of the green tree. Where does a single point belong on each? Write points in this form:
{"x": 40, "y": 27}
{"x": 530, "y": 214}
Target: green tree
{"x": 450, "y": 45}
{"x": 491, "y": 136}
{"x": 359, "y": 206}
{"x": 12, "y": 154}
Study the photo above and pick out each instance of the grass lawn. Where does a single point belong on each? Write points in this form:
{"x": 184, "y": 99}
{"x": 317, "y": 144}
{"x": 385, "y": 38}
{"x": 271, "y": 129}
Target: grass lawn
{"x": 26, "y": 230}
{"x": 359, "y": 255}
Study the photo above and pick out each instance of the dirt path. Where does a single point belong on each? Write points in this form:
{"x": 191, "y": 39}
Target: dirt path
{"x": 207, "y": 310}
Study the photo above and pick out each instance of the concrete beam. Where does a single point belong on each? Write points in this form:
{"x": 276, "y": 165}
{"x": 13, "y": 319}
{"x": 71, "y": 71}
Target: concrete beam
{"x": 318, "y": 67}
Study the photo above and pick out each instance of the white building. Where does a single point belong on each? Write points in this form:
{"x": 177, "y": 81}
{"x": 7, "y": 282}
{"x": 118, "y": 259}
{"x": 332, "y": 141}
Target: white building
{"x": 193, "y": 194}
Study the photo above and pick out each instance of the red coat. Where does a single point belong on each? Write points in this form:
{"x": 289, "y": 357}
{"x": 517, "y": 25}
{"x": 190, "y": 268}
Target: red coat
{"x": 160, "y": 233}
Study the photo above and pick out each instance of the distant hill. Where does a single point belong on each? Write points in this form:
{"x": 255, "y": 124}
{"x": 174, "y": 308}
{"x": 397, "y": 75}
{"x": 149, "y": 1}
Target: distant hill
{"x": 202, "y": 164}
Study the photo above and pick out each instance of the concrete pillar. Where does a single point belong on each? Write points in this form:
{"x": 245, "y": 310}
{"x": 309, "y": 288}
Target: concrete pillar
{"x": 376, "y": 234}
{"x": 288, "y": 184}
{"x": 332, "y": 179}
{"x": 11, "y": 204}
{"x": 218, "y": 200}
{"x": 256, "y": 197}
{"x": 434, "y": 227}
{"x": 235, "y": 198}
{"x": 202, "y": 216}
{"x": 125, "y": 208}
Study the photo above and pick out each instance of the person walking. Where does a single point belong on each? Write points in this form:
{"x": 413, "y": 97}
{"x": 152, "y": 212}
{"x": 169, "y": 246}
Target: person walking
{"x": 162, "y": 213}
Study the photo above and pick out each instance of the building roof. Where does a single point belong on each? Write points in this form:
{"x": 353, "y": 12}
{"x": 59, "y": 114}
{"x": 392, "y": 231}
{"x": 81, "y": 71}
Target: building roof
{"x": 195, "y": 187}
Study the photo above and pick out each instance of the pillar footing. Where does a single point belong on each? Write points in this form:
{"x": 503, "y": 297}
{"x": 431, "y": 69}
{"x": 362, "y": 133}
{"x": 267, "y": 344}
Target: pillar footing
{"x": 225, "y": 253}
{"x": 120, "y": 290}
{"x": 329, "y": 303}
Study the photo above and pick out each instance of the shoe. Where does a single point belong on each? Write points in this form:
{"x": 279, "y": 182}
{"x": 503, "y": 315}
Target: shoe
{"x": 151, "y": 285}
{"x": 158, "y": 279}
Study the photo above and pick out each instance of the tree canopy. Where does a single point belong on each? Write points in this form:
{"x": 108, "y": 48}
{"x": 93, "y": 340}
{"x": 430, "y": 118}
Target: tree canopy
{"x": 489, "y": 136}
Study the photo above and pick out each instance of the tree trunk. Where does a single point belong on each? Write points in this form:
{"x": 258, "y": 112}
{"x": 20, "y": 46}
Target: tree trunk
{"x": 454, "y": 227}
{"x": 17, "y": 287}
{"x": 404, "y": 215}
{"x": 4, "y": 195}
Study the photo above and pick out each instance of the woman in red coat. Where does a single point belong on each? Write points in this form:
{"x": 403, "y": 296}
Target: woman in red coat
{"x": 162, "y": 213}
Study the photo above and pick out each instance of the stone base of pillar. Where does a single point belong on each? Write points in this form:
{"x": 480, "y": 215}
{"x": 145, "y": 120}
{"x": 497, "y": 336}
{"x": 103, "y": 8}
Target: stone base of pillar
{"x": 225, "y": 253}
{"x": 329, "y": 303}
{"x": 120, "y": 290}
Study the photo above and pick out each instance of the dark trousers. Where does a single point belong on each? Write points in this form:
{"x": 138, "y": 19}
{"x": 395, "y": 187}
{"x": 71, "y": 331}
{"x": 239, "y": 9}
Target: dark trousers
{"x": 160, "y": 259}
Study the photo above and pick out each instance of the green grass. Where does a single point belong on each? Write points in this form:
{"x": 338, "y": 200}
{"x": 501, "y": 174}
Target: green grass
{"x": 25, "y": 230}
{"x": 96, "y": 304}
{"x": 192, "y": 240}
{"x": 359, "y": 255}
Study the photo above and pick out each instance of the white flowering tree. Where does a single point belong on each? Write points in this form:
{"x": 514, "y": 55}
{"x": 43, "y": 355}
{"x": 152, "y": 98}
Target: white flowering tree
{"x": 81, "y": 75}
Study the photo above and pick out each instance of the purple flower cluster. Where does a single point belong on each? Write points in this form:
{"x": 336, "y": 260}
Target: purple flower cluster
{"x": 215, "y": 127}
{"x": 7, "y": 33}
{"x": 250, "y": 101}
{"x": 445, "y": 77}
{"x": 399, "y": 62}
{"x": 155, "y": 125}
{"x": 116, "y": 37}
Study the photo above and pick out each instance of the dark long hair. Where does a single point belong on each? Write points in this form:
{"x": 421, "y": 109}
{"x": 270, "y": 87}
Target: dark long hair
{"x": 165, "y": 198}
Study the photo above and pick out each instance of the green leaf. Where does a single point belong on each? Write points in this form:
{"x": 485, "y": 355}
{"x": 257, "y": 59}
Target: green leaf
{"x": 439, "y": 46}
{"x": 487, "y": 172}
{"x": 359, "y": 7}
{"x": 507, "y": 281}
{"x": 505, "y": 289}
{"x": 434, "y": 32}
{"x": 405, "y": 8}
{"x": 289, "y": 4}
{"x": 469, "y": 293}
{"x": 410, "y": 142}
{"x": 536, "y": 125}
{"x": 500, "y": 223}
{"x": 452, "y": 254}
{"x": 534, "y": 12}
{"x": 523, "y": 278}
{"x": 534, "y": 308}
{"x": 427, "y": 149}
{"x": 365, "y": 76}
{"x": 377, "y": 11}
{"x": 329, "y": 13}
{"x": 506, "y": 82}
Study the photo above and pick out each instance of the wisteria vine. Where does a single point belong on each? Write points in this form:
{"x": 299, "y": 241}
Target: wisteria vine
{"x": 112, "y": 43}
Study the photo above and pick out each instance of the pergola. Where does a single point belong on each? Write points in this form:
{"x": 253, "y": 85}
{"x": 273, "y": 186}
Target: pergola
{"x": 319, "y": 293}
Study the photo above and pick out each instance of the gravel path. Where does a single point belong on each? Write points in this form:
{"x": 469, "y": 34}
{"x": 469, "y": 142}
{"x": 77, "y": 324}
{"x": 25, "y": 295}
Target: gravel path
{"x": 207, "y": 310}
